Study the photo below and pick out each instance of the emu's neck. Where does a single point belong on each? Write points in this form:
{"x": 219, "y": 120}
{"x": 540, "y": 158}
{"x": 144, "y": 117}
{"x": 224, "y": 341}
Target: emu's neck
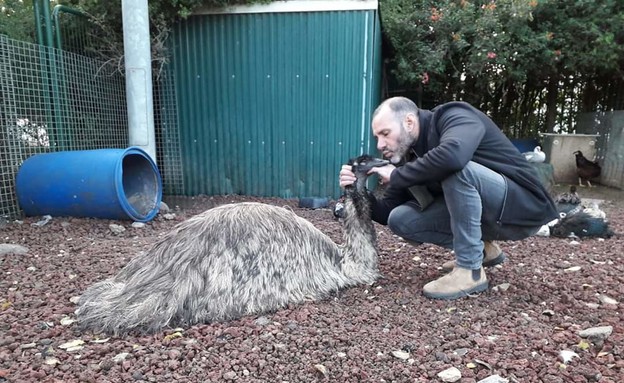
{"x": 359, "y": 251}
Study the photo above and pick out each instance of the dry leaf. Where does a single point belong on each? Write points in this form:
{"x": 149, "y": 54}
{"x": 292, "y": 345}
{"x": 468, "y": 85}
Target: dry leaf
{"x": 120, "y": 357}
{"x": 583, "y": 345}
{"x": 484, "y": 364}
{"x": 174, "y": 335}
{"x": 400, "y": 354}
{"x": 320, "y": 368}
{"x": 72, "y": 344}
{"x": 66, "y": 321}
{"x": 567, "y": 355}
{"x": 52, "y": 361}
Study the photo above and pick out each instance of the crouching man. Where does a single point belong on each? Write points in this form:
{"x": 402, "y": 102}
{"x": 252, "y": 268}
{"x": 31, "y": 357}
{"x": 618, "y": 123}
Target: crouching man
{"x": 455, "y": 180}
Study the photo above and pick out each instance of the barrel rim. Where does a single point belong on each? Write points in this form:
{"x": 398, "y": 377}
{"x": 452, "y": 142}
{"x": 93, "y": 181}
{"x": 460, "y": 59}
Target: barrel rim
{"x": 125, "y": 205}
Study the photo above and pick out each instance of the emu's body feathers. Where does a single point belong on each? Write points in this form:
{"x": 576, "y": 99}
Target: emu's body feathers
{"x": 234, "y": 260}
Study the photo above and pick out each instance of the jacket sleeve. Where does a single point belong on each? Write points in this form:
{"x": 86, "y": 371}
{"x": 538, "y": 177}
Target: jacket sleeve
{"x": 381, "y": 207}
{"x": 460, "y": 131}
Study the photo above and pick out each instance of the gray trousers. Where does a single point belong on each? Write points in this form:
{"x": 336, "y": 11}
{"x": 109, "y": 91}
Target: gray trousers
{"x": 463, "y": 218}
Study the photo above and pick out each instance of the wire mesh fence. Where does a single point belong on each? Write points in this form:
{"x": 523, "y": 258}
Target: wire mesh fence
{"x": 168, "y": 149}
{"x": 53, "y": 100}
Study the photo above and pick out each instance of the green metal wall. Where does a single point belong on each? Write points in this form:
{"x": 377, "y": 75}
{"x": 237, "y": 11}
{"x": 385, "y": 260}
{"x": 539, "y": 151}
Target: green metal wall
{"x": 271, "y": 104}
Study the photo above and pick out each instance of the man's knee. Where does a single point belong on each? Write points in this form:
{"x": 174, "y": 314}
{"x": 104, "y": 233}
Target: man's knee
{"x": 399, "y": 218}
{"x": 402, "y": 221}
{"x": 466, "y": 175}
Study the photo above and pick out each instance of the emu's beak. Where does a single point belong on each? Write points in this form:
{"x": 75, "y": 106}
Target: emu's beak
{"x": 373, "y": 163}
{"x": 378, "y": 162}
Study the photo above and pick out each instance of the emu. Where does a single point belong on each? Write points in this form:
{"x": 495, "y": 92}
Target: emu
{"x": 236, "y": 260}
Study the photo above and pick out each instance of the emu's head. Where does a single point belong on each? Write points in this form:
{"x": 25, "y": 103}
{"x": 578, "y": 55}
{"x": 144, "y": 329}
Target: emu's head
{"x": 362, "y": 164}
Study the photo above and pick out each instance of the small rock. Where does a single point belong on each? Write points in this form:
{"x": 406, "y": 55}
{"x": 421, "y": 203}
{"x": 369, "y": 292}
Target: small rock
{"x": 164, "y": 208}
{"x": 116, "y": 229}
{"x": 573, "y": 268}
{"x": 9, "y": 248}
{"x": 501, "y": 287}
{"x": 106, "y": 364}
{"x": 607, "y": 300}
{"x": 442, "y": 357}
{"x": 601, "y": 332}
{"x": 174, "y": 354}
{"x": 169, "y": 216}
{"x": 262, "y": 321}
{"x": 230, "y": 375}
{"x": 450, "y": 375}
{"x": 120, "y": 357}
{"x": 28, "y": 345}
{"x": 138, "y": 375}
{"x": 138, "y": 225}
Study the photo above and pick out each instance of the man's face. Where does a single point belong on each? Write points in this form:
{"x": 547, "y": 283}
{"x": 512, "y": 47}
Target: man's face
{"x": 394, "y": 137}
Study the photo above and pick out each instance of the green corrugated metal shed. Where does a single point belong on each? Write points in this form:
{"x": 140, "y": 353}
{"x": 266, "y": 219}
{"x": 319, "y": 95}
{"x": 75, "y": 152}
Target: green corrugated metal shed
{"x": 272, "y": 99}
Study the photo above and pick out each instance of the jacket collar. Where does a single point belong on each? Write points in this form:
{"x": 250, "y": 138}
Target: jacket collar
{"x": 424, "y": 118}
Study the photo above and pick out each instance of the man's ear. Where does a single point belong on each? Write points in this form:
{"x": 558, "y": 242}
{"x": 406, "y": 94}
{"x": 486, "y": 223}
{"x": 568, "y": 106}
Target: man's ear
{"x": 410, "y": 122}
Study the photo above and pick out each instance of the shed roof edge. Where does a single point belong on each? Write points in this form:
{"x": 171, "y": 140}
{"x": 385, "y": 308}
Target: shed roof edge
{"x": 293, "y": 6}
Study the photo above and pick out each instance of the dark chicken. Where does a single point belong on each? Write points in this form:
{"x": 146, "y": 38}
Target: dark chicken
{"x": 585, "y": 168}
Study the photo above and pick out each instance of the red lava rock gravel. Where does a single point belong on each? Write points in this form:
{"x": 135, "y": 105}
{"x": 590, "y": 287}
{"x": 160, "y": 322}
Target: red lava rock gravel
{"x": 534, "y": 309}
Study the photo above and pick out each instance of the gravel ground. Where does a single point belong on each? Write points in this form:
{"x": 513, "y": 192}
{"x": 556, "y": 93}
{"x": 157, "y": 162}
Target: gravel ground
{"x": 537, "y": 307}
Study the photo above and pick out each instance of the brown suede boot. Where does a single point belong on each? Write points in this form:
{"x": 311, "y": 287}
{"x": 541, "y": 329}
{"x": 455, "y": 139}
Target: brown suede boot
{"x": 492, "y": 256}
{"x": 457, "y": 284}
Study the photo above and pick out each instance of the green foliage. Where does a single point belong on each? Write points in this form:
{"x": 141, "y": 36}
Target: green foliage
{"x": 507, "y": 54}
{"x": 108, "y": 41}
{"x": 17, "y": 20}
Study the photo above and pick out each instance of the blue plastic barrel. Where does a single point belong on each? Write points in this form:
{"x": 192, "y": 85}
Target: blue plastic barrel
{"x": 102, "y": 183}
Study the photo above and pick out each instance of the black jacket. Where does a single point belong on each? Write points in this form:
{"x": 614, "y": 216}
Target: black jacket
{"x": 453, "y": 134}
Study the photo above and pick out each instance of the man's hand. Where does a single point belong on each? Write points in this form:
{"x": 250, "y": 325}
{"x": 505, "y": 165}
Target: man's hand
{"x": 347, "y": 177}
{"x": 384, "y": 172}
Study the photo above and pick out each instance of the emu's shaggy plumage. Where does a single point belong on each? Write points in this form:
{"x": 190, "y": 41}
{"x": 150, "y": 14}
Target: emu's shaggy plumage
{"x": 235, "y": 260}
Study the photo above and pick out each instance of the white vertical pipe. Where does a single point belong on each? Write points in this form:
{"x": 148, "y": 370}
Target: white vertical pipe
{"x": 138, "y": 60}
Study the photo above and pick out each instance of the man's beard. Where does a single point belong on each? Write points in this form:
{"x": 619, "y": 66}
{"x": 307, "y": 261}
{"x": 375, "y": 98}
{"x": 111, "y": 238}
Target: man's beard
{"x": 403, "y": 145}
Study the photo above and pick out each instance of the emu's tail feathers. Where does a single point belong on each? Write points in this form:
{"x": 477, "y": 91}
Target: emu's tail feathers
{"x": 107, "y": 307}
